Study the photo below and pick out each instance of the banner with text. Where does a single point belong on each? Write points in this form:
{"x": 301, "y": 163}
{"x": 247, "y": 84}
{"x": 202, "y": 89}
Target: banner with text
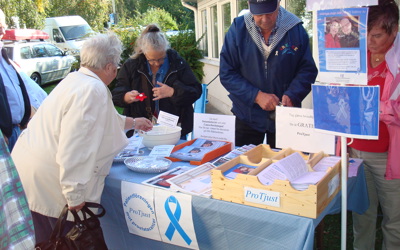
{"x": 214, "y": 127}
{"x": 296, "y": 131}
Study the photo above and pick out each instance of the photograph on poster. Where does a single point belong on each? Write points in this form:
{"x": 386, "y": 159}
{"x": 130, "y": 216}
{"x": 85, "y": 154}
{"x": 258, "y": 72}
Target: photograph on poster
{"x": 342, "y": 45}
{"x": 351, "y": 111}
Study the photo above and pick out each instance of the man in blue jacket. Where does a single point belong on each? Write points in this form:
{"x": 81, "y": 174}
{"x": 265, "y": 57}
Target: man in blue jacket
{"x": 265, "y": 61}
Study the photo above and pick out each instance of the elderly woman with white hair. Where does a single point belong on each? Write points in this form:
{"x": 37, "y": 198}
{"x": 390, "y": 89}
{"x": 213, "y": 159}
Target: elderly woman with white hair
{"x": 67, "y": 149}
{"x": 162, "y": 75}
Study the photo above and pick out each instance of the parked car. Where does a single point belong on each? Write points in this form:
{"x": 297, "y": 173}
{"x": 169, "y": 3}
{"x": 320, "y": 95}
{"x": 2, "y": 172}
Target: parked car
{"x": 42, "y": 61}
{"x": 68, "y": 32}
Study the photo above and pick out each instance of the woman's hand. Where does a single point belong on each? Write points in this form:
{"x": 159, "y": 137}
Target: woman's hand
{"x": 143, "y": 124}
{"x": 130, "y": 96}
{"x": 77, "y": 208}
{"x": 163, "y": 91}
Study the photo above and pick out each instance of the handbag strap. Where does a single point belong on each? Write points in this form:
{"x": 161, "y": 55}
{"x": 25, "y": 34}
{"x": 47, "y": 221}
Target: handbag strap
{"x": 60, "y": 224}
{"x": 85, "y": 210}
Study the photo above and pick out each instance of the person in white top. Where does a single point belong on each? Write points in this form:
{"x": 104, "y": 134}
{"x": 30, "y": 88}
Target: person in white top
{"x": 65, "y": 153}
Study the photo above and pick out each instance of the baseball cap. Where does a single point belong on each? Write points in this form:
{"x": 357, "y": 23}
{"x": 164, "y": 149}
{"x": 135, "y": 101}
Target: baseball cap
{"x": 261, "y": 7}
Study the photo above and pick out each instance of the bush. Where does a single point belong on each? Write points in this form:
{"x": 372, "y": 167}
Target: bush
{"x": 184, "y": 41}
{"x": 187, "y": 46}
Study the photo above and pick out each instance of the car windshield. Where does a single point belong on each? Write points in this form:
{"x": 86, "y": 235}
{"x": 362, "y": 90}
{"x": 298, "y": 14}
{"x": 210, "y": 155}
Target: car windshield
{"x": 76, "y": 32}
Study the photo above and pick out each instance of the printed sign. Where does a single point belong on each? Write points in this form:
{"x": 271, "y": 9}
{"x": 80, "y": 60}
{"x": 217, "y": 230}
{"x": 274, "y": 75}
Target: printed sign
{"x": 214, "y": 127}
{"x": 174, "y": 216}
{"x": 342, "y": 45}
{"x": 351, "y": 111}
{"x": 139, "y": 211}
{"x": 264, "y": 197}
{"x": 296, "y": 131}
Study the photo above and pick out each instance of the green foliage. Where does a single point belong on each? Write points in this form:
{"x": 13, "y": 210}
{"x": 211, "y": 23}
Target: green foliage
{"x": 187, "y": 46}
{"x": 95, "y": 12}
{"x": 158, "y": 16}
{"x": 29, "y": 13}
{"x": 129, "y": 30}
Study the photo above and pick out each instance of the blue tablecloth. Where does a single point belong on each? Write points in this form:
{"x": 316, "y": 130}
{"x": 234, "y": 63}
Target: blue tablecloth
{"x": 224, "y": 225}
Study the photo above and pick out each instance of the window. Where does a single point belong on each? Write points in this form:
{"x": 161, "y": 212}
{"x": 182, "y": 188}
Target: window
{"x": 241, "y": 5}
{"x": 39, "y": 51}
{"x": 204, "y": 41}
{"x": 57, "y": 36}
{"x": 214, "y": 32}
{"x": 226, "y": 17}
{"x": 26, "y": 52}
{"x": 298, "y": 7}
{"x": 53, "y": 50}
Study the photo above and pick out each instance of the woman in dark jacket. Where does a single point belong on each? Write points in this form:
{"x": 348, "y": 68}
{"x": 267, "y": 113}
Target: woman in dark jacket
{"x": 162, "y": 75}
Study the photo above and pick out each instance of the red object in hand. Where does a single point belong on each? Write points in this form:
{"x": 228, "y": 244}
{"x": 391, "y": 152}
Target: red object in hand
{"x": 141, "y": 97}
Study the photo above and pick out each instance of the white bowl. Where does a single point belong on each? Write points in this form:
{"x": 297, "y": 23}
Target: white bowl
{"x": 161, "y": 135}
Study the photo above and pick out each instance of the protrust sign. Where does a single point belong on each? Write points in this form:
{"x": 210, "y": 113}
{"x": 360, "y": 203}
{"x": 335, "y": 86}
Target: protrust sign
{"x": 260, "y": 196}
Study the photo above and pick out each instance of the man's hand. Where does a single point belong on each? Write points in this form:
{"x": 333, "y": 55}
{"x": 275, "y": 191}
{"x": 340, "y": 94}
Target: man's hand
{"x": 266, "y": 101}
{"x": 286, "y": 101}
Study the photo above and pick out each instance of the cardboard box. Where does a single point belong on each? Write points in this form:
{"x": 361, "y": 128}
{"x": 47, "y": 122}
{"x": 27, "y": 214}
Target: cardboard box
{"x": 207, "y": 156}
{"x": 280, "y": 196}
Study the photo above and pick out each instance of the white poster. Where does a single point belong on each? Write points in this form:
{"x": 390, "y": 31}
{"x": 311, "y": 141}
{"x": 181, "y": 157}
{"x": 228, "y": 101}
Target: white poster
{"x": 329, "y": 4}
{"x": 174, "y": 216}
{"x": 138, "y": 204}
{"x": 295, "y": 129}
{"x": 214, "y": 127}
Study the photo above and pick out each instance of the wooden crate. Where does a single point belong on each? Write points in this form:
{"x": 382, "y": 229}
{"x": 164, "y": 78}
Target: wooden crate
{"x": 262, "y": 151}
{"x": 308, "y": 203}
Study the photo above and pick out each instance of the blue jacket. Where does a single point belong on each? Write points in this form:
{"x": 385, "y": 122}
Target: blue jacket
{"x": 288, "y": 69}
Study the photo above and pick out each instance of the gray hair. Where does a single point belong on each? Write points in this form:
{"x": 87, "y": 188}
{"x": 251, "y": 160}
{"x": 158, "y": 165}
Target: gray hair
{"x": 100, "y": 50}
{"x": 151, "y": 39}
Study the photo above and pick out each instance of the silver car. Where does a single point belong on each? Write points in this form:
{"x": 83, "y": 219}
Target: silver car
{"x": 42, "y": 61}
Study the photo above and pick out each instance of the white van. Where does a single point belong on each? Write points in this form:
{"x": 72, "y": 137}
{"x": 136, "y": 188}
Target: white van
{"x": 68, "y": 32}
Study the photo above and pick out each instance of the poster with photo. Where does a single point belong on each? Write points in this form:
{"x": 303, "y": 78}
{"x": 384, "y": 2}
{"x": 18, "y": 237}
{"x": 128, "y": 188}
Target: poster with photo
{"x": 351, "y": 111}
{"x": 342, "y": 45}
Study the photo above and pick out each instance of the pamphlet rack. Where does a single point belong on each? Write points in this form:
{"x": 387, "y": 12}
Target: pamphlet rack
{"x": 226, "y": 148}
{"x": 308, "y": 203}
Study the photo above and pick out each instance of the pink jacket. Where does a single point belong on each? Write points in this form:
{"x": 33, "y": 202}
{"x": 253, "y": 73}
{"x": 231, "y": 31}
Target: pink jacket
{"x": 390, "y": 109}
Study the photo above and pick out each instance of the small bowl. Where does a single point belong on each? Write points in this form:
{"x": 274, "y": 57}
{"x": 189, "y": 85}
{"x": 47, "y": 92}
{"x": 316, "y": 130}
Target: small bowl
{"x": 148, "y": 165}
{"x": 161, "y": 135}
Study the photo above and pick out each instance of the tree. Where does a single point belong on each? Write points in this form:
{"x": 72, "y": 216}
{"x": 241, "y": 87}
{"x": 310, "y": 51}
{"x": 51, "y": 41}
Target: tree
{"x": 30, "y": 13}
{"x": 95, "y": 12}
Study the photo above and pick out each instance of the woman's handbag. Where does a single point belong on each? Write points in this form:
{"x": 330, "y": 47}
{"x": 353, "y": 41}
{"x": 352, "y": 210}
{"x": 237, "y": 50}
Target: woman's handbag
{"x": 86, "y": 234}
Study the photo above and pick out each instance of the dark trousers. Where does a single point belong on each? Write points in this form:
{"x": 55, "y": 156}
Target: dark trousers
{"x": 245, "y": 135}
{"x": 44, "y": 226}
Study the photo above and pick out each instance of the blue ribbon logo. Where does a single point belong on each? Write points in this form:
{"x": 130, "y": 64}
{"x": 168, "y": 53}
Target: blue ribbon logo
{"x": 174, "y": 218}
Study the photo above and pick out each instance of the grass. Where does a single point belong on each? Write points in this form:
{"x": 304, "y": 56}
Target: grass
{"x": 331, "y": 233}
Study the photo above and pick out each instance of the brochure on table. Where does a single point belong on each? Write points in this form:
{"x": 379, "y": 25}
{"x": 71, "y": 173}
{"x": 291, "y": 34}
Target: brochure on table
{"x": 351, "y": 111}
{"x": 159, "y": 214}
{"x": 323, "y": 5}
{"x": 345, "y": 65}
{"x": 161, "y": 150}
{"x": 296, "y": 131}
{"x": 214, "y": 127}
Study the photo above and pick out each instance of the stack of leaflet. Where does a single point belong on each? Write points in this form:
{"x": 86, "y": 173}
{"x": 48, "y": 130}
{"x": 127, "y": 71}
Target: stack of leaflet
{"x": 292, "y": 168}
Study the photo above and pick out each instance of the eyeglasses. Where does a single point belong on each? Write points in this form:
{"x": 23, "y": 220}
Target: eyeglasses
{"x": 154, "y": 61}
